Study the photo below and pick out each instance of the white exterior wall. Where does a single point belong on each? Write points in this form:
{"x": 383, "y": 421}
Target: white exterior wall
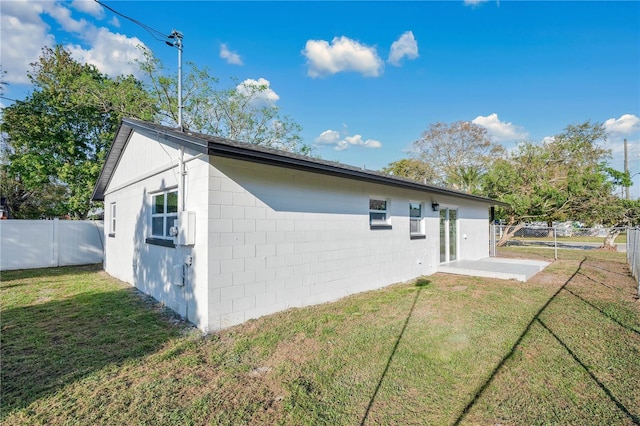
{"x": 473, "y": 232}
{"x": 472, "y": 227}
{"x": 269, "y": 238}
{"x": 147, "y": 167}
{"x": 282, "y": 238}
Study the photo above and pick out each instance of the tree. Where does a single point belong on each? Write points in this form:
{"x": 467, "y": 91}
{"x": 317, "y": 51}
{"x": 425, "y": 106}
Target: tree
{"x": 458, "y": 153}
{"x": 40, "y": 202}
{"x": 560, "y": 180}
{"x": 615, "y": 214}
{"x": 411, "y": 168}
{"x": 621, "y": 179}
{"x": 469, "y": 179}
{"x": 245, "y": 112}
{"x": 58, "y": 137}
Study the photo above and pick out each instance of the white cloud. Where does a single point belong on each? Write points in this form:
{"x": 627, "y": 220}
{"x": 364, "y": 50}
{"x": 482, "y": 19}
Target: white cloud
{"x": 229, "y": 56}
{"x": 618, "y": 129}
{"x": 343, "y": 54}
{"x": 62, "y": 15}
{"x": 24, "y": 33}
{"x": 626, "y": 124}
{"x": 114, "y": 22}
{"x": 617, "y": 149}
{"x": 500, "y": 131}
{"x": 357, "y": 140}
{"x": 90, "y": 7}
{"x": 405, "y": 46}
{"x": 328, "y": 137}
{"x": 474, "y": 3}
{"x": 259, "y": 90}
{"x": 112, "y": 53}
{"x": 335, "y": 139}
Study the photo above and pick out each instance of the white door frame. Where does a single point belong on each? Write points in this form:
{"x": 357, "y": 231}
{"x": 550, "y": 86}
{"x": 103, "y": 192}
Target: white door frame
{"x": 445, "y": 228}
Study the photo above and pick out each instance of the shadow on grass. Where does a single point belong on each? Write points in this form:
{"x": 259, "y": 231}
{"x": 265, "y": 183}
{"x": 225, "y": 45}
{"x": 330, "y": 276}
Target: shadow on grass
{"x": 536, "y": 318}
{"x": 597, "y": 282}
{"x": 603, "y": 313}
{"x": 420, "y": 283}
{"x": 626, "y": 274}
{"x": 635, "y": 419}
{"x": 502, "y": 362}
{"x": 46, "y": 346}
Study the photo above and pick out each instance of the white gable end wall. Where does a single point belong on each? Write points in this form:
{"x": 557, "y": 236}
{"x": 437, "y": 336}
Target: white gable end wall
{"x": 282, "y": 238}
{"x": 147, "y": 167}
{"x": 143, "y": 156}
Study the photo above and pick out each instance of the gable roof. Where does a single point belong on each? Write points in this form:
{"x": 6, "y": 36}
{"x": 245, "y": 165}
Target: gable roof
{"x": 222, "y": 147}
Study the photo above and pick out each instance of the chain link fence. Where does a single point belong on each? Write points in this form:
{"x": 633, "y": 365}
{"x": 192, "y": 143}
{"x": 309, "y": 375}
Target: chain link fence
{"x": 556, "y": 237}
{"x": 568, "y": 237}
{"x": 633, "y": 253}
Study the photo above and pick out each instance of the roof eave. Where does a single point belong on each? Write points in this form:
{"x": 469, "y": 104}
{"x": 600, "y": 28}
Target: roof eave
{"x": 215, "y": 146}
{"x": 327, "y": 169}
{"x": 113, "y": 156}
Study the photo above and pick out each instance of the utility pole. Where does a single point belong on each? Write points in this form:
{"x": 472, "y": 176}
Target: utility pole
{"x": 177, "y": 36}
{"x": 626, "y": 168}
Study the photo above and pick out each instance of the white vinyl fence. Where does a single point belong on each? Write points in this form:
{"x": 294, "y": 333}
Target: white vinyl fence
{"x": 26, "y": 244}
{"x": 633, "y": 253}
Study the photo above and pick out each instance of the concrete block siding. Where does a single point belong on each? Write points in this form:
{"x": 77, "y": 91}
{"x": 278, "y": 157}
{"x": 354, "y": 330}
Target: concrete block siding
{"x": 268, "y": 237}
{"x": 284, "y": 238}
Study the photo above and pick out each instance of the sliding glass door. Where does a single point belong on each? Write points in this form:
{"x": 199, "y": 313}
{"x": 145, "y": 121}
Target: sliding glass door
{"x": 448, "y": 235}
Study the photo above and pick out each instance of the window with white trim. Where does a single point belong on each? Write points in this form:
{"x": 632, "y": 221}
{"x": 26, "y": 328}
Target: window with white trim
{"x": 164, "y": 213}
{"x": 415, "y": 220}
{"x": 112, "y": 220}
{"x": 379, "y": 213}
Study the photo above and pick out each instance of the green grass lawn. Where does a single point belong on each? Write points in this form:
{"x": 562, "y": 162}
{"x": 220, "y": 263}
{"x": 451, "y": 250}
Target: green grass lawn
{"x": 79, "y": 347}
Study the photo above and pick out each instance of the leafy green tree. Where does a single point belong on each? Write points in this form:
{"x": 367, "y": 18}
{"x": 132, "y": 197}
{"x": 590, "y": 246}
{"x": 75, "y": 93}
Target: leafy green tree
{"x": 242, "y": 112}
{"x": 516, "y": 180}
{"x": 411, "y": 168}
{"x": 561, "y": 180}
{"x": 619, "y": 178}
{"x": 459, "y": 154}
{"x": 40, "y": 202}
{"x": 469, "y": 179}
{"x": 615, "y": 214}
{"x": 59, "y": 135}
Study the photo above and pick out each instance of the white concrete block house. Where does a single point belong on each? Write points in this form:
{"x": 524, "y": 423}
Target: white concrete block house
{"x": 223, "y": 231}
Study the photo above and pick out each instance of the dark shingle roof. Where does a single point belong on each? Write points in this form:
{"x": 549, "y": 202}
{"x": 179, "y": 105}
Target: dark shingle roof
{"x": 217, "y": 146}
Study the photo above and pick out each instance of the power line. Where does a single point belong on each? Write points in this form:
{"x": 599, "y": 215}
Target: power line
{"x": 9, "y": 99}
{"x": 174, "y": 40}
{"x": 157, "y": 35}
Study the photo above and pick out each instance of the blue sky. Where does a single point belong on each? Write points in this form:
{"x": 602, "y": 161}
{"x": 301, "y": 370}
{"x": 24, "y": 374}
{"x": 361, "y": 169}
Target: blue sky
{"x": 364, "y": 79}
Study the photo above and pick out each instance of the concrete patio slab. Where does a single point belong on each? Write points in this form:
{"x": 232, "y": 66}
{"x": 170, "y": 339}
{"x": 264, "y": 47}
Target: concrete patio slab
{"x": 495, "y": 267}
